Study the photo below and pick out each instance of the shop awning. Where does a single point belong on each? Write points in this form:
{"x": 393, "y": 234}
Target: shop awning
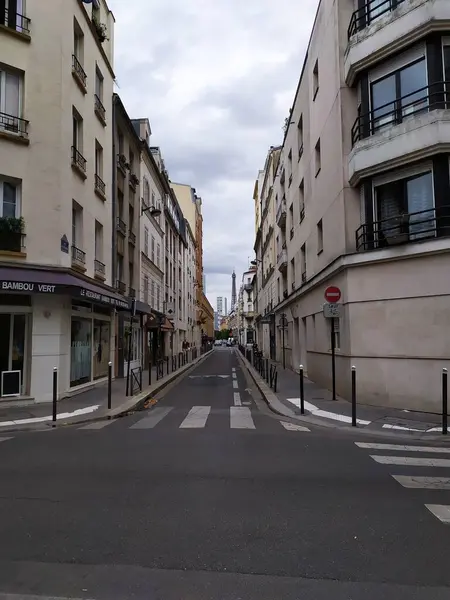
{"x": 40, "y": 281}
{"x": 167, "y": 325}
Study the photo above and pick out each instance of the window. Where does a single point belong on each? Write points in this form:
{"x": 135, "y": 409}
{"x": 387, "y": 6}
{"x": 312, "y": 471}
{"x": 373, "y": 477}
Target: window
{"x": 300, "y": 136}
{"x": 131, "y": 274}
{"x": 146, "y": 241}
{"x": 9, "y": 198}
{"x": 120, "y": 142}
{"x": 120, "y": 204}
{"x": 158, "y": 255}
{"x": 158, "y": 293}
{"x": 152, "y": 294}
{"x": 319, "y": 237}
{"x": 98, "y": 159}
{"x": 315, "y": 79}
{"x": 119, "y": 267}
{"x": 10, "y": 100}
{"x": 398, "y": 95}
{"x": 153, "y": 249}
{"x": 318, "y": 158}
{"x": 77, "y": 131}
{"x": 405, "y": 209}
{"x": 98, "y": 241}
{"x": 146, "y": 289}
{"x": 447, "y": 62}
{"x": 77, "y": 225}
{"x": 131, "y": 161}
{"x": 78, "y": 42}
{"x": 301, "y": 199}
{"x": 303, "y": 262}
{"x": 146, "y": 192}
{"x": 98, "y": 84}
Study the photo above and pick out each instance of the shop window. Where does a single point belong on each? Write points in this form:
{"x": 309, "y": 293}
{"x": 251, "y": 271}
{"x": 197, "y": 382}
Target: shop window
{"x": 12, "y": 351}
{"x": 80, "y": 351}
{"x": 102, "y": 348}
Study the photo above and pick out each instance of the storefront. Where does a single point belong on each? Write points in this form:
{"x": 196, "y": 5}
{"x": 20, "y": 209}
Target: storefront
{"x": 53, "y": 319}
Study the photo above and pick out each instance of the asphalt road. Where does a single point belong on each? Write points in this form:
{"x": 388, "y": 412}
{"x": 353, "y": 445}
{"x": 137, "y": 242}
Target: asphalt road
{"x": 208, "y": 496}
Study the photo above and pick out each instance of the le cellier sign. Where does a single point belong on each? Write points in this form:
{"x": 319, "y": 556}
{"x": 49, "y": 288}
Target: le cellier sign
{"x": 31, "y": 287}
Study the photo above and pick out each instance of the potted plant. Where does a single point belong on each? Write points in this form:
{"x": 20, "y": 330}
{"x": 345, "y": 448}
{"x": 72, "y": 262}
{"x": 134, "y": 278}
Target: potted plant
{"x": 11, "y": 231}
{"x": 101, "y": 30}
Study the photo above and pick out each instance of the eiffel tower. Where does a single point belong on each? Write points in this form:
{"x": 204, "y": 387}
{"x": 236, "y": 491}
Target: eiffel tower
{"x": 233, "y": 290}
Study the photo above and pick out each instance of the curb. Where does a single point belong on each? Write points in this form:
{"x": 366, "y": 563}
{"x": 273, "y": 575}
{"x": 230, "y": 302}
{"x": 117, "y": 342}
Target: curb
{"x": 276, "y": 406}
{"x": 131, "y": 405}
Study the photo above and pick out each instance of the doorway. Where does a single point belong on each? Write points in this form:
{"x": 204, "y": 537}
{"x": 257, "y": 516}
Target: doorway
{"x": 12, "y": 345}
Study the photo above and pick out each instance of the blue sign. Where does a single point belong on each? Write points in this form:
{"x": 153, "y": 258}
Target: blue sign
{"x": 64, "y": 244}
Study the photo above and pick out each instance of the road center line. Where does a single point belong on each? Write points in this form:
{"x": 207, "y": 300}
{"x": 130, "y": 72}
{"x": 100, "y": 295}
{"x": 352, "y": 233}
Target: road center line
{"x": 237, "y": 399}
{"x": 235, "y": 384}
{"x": 234, "y": 375}
{"x": 241, "y": 418}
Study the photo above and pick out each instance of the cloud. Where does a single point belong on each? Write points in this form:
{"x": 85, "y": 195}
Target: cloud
{"x": 216, "y": 80}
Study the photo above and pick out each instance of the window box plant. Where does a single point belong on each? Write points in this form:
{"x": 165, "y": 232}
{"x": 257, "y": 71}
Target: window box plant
{"x": 11, "y": 232}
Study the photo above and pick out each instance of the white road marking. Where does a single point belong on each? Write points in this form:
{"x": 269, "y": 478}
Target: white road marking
{"x": 235, "y": 384}
{"x": 196, "y": 417}
{"x": 237, "y": 399}
{"x": 440, "y": 511}
{"x": 318, "y": 412}
{"x": 293, "y": 427}
{"x": 154, "y": 416}
{"x": 401, "y": 428}
{"x": 241, "y": 418}
{"x": 234, "y": 375}
{"x": 207, "y": 376}
{"x": 410, "y": 461}
{"x": 67, "y": 415}
{"x": 400, "y": 448}
{"x": 233, "y": 369}
{"x": 97, "y": 425}
{"x": 432, "y": 483}
{"x": 5, "y": 439}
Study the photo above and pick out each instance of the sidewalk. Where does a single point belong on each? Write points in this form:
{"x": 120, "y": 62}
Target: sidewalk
{"x": 91, "y": 405}
{"x": 320, "y": 409}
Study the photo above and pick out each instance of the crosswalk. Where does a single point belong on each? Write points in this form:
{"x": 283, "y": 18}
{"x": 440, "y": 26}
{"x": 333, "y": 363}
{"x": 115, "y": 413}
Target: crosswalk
{"x": 197, "y": 417}
{"x": 398, "y": 457}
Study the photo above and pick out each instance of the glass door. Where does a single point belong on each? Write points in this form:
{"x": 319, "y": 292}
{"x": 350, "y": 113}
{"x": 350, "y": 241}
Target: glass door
{"x": 12, "y": 344}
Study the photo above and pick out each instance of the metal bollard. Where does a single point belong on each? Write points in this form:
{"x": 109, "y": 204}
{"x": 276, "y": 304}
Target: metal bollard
{"x": 353, "y": 396}
{"x": 275, "y": 381}
{"x": 444, "y": 401}
{"x": 302, "y": 391}
{"x": 55, "y": 394}
{"x": 109, "y": 385}
{"x": 267, "y": 370}
{"x": 167, "y": 361}
{"x": 149, "y": 372}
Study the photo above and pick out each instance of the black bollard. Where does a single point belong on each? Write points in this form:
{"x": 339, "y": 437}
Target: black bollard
{"x": 302, "y": 391}
{"x": 353, "y": 396}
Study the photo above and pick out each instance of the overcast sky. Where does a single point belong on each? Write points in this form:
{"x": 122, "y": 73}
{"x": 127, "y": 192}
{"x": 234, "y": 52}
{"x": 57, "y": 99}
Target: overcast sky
{"x": 216, "y": 78}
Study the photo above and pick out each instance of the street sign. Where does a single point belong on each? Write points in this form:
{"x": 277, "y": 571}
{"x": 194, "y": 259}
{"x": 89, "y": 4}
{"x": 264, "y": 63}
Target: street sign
{"x": 332, "y": 310}
{"x": 332, "y": 294}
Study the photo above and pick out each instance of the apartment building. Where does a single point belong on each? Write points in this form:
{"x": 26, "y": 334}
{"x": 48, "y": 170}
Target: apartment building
{"x": 193, "y": 331}
{"x": 266, "y": 244}
{"x": 364, "y": 170}
{"x": 58, "y": 299}
{"x": 246, "y": 312}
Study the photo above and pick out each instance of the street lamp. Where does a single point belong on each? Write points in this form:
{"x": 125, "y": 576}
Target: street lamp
{"x": 255, "y": 262}
{"x": 154, "y": 212}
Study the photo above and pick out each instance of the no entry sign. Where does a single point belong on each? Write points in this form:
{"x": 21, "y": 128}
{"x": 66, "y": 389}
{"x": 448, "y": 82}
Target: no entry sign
{"x": 332, "y": 294}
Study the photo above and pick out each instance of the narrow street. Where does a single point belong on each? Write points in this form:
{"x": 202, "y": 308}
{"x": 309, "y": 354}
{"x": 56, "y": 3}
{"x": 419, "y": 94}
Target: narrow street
{"x": 208, "y": 495}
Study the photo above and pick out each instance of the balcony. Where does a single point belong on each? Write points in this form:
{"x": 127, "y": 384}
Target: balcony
{"x": 121, "y": 226}
{"x": 13, "y": 127}
{"x": 380, "y": 28}
{"x": 291, "y": 233}
{"x": 302, "y": 214}
{"x": 248, "y": 287}
{"x": 404, "y": 228}
{"x": 131, "y": 292}
{"x": 16, "y": 24}
{"x": 78, "y": 259}
{"x": 281, "y": 214}
{"x": 99, "y": 110}
{"x": 78, "y": 163}
{"x": 282, "y": 260}
{"x": 100, "y": 187}
{"x": 133, "y": 181}
{"x": 304, "y": 277}
{"x": 131, "y": 237}
{"x": 10, "y": 240}
{"x": 121, "y": 287}
{"x": 408, "y": 128}
{"x": 122, "y": 164}
{"x": 79, "y": 74}
{"x": 99, "y": 270}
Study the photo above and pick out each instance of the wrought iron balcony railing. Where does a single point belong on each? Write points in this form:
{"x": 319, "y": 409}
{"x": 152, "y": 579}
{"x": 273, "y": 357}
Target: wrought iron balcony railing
{"x": 100, "y": 184}
{"x": 99, "y": 267}
{"x": 11, "y": 241}
{"x": 369, "y": 12}
{"x": 12, "y": 124}
{"x": 78, "y": 255}
{"x": 78, "y": 70}
{"x": 120, "y": 286}
{"x": 99, "y": 109}
{"x": 121, "y": 226}
{"x": 404, "y": 228}
{"x": 16, "y": 21}
{"x": 432, "y": 97}
{"x": 78, "y": 160}
{"x": 132, "y": 237}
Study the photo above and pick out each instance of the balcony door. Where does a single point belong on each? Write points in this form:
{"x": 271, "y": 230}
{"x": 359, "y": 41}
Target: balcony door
{"x": 405, "y": 209}
{"x": 398, "y": 95}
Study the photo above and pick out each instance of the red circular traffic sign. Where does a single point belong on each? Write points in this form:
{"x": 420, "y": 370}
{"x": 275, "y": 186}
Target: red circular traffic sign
{"x": 332, "y": 294}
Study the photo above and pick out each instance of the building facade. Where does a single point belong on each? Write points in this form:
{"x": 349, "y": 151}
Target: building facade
{"x": 361, "y": 198}
{"x": 58, "y": 299}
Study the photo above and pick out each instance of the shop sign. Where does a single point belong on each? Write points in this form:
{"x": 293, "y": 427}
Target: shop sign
{"x": 96, "y": 297}
{"x": 25, "y": 286}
